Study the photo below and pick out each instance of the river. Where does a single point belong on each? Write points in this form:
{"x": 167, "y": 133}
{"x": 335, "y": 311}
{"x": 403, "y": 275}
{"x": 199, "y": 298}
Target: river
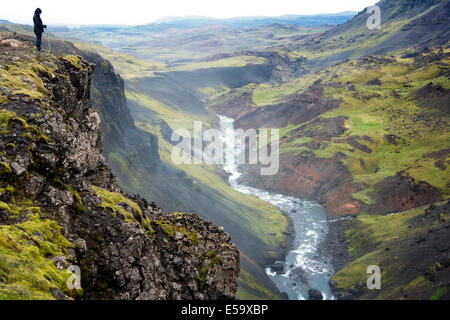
{"x": 305, "y": 267}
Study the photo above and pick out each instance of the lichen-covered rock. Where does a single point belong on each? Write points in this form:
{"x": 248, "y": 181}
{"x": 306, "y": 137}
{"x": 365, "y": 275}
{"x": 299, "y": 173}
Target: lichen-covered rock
{"x": 61, "y": 204}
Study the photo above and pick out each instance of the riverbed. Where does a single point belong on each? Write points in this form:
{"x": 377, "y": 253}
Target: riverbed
{"x": 305, "y": 267}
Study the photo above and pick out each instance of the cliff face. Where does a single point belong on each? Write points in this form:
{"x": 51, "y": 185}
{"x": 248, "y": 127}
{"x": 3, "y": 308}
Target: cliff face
{"x": 60, "y": 204}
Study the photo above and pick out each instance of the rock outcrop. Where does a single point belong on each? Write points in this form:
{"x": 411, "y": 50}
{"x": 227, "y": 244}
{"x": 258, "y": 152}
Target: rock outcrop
{"x": 61, "y": 206}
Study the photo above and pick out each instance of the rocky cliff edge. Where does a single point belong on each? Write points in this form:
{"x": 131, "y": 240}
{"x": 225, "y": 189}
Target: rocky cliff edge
{"x": 60, "y": 204}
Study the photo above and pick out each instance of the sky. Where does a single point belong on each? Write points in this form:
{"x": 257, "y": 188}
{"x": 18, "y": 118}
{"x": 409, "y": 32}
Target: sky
{"x": 137, "y": 12}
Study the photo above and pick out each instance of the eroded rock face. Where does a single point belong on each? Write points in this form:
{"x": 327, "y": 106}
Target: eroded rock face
{"x": 409, "y": 193}
{"x": 125, "y": 247}
{"x": 326, "y": 180}
{"x": 298, "y": 108}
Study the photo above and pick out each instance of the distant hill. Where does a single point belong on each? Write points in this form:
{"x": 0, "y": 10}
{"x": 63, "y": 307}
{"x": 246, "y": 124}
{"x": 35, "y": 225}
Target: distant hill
{"x": 17, "y": 28}
{"x": 252, "y": 22}
{"x": 405, "y": 23}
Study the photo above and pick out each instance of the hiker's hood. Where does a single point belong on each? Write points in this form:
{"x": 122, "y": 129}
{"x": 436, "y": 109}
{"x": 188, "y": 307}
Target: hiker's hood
{"x": 38, "y": 11}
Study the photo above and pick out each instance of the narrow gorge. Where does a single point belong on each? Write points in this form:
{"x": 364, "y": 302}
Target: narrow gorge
{"x": 305, "y": 273}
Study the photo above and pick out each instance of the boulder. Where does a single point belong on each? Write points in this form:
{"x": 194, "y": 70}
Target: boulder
{"x": 315, "y": 294}
{"x": 17, "y": 169}
{"x": 278, "y": 267}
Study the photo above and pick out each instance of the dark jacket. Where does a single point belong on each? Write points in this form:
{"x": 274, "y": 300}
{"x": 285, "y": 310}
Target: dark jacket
{"x": 38, "y": 25}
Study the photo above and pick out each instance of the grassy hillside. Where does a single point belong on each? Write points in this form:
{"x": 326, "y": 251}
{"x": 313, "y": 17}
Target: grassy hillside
{"x": 404, "y": 24}
{"x": 381, "y": 101}
{"x": 390, "y": 132}
{"x": 388, "y": 242}
{"x": 391, "y": 117}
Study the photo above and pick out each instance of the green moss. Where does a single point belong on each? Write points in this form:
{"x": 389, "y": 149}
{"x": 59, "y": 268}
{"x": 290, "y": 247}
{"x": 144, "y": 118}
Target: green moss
{"x": 26, "y": 273}
{"x": 32, "y": 132}
{"x": 35, "y": 210}
{"x": 73, "y": 60}
{"x": 5, "y": 169}
{"x": 12, "y": 209}
{"x": 201, "y": 278}
{"x": 171, "y": 229}
{"x": 112, "y": 200}
{"x": 216, "y": 261}
{"x": 24, "y": 78}
{"x": 78, "y": 200}
{"x": 418, "y": 283}
{"x": 69, "y": 126}
{"x": 3, "y": 99}
{"x": 203, "y": 273}
{"x": 125, "y": 64}
{"x": 4, "y": 206}
{"x": 211, "y": 254}
{"x": 178, "y": 213}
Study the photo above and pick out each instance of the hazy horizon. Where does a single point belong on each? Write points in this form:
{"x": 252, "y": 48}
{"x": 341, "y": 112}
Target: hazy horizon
{"x": 138, "y": 13}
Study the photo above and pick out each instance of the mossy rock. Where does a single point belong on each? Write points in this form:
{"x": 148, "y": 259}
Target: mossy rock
{"x": 73, "y": 60}
{"x": 171, "y": 229}
{"x": 26, "y": 273}
{"x": 78, "y": 200}
{"x": 25, "y": 78}
{"x": 5, "y": 169}
{"x": 112, "y": 200}
{"x": 32, "y": 132}
{"x": 13, "y": 210}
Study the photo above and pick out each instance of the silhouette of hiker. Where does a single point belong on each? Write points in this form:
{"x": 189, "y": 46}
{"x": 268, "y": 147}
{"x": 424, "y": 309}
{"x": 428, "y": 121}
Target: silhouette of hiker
{"x": 38, "y": 28}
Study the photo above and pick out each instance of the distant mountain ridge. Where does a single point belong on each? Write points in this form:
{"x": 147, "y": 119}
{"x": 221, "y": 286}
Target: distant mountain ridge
{"x": 409, "y": 22}
{"x": 191, "y": 22}
{"x": 404, "y": 24}
{"x": 170, "y": 19}
{"x": 251, "y": 22}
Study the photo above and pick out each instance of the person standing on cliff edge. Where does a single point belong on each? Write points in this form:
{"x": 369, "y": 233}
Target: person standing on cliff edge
{"x": 38, "y": 28}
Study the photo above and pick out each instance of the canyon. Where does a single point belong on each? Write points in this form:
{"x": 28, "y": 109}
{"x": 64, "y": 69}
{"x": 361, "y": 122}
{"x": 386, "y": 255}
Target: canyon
{"x": 363, "y": 118}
